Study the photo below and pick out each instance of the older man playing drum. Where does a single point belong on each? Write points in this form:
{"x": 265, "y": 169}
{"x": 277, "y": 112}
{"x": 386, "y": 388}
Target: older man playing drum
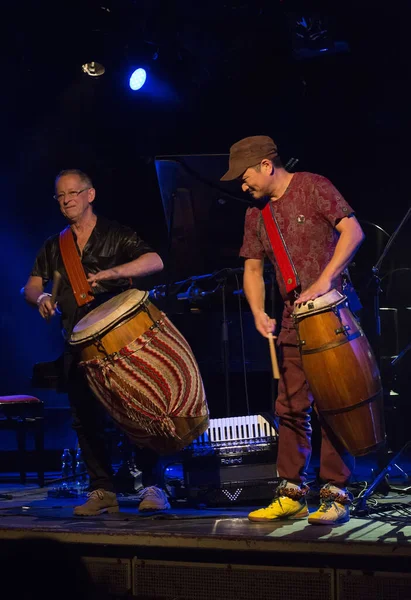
{"x": 122, "y": 353}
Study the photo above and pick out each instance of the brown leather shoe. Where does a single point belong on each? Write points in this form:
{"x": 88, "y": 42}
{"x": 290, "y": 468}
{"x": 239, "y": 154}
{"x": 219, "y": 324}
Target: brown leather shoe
{"x": 99, "y": 501}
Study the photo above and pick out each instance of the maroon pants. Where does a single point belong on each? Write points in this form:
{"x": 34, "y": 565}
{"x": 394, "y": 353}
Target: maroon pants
{"x": 293, "y": 408}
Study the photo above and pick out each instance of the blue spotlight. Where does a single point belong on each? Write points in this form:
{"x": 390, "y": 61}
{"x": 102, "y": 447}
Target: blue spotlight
{"x": 138, "y": 79}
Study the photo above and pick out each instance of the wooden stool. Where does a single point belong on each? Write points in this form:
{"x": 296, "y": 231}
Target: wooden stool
{"x": 24, "y": 413}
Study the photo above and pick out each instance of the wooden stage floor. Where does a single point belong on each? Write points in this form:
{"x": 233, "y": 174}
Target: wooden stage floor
{"x": 386, "y": 532}
{"x": 119, "y": 548}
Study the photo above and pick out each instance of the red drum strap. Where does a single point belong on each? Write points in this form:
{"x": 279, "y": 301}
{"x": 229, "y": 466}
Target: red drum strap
{"x": 282, "y": 256}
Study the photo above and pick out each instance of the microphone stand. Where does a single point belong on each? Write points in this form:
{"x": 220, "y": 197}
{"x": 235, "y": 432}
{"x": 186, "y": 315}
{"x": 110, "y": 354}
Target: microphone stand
{"x": 225, "y": 350}
{"x": 377, "y": 279}
{"x": 221, "y": 277}
{"x": 362, "y": 499}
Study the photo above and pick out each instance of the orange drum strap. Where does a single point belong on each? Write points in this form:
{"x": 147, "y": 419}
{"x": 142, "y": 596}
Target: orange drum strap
{"x": 75, "y": 272}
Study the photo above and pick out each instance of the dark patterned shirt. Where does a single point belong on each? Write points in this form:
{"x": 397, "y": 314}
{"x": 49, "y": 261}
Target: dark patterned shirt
{"x": 306, "y": 215}
{"x": 110, "y": 244}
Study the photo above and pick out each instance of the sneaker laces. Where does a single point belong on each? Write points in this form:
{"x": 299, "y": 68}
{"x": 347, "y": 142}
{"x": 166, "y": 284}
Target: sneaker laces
{"x": 284, "y": 491}
{"x": 275, "y": 501}
{"x": 152, "y": 489}
{"x": 329, "y": 498}
{"x": 96, "y": 494}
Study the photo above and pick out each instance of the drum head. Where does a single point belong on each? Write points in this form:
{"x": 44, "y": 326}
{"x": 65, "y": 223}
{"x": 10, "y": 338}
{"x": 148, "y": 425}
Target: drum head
{"x": 331, "y": 298}
{"x": 108, "y": 315}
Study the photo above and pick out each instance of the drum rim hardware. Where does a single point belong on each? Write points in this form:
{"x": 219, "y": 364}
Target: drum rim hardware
{"x": 331, "y": 345}
{"x": 133, "y": 310}
{"x": 117, "y": 323}
{"x": 98, "y": 343}
{"x": 335, "y": 308}
{"x": 343, "y": 329}
{"x": 154, "y": 320}
{"x": 314, "y": 311}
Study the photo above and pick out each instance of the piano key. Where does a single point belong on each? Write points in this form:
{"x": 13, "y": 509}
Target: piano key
{"x": 233, "y": 429}
{"x": 254, "y": 422}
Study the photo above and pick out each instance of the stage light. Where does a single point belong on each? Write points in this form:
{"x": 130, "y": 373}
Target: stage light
{"x": 94, "y": 69}
{"x": 138, "y": 79}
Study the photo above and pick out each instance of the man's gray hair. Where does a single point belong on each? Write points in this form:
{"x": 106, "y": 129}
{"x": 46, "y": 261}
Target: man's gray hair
{"x": 83, "y": 176}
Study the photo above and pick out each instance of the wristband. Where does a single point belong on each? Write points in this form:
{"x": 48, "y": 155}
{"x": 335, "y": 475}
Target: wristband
{"x": 40, "y": 298}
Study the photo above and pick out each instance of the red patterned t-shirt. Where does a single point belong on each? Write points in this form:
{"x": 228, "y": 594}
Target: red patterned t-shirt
{"x": 306, "y": 215}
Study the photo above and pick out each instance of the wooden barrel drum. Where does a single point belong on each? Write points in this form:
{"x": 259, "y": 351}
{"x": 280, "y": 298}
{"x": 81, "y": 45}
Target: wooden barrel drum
{"x": 342, "y": 372}
{"x": 143, "y": 371}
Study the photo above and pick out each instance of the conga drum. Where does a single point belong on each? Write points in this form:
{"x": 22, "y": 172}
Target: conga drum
{"x": 143, "y": 371}
{"x": 341, "y": 371}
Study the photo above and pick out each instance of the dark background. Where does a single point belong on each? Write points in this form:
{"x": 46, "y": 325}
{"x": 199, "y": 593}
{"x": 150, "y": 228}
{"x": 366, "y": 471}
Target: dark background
{"x": 217, "y": 71}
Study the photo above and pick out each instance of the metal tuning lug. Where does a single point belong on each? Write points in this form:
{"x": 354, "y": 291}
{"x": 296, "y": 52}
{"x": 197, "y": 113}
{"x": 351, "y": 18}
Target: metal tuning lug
{"x": 342, "y": 329}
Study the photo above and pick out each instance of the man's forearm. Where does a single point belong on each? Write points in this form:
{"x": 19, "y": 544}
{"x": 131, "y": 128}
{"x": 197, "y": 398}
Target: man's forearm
{"x": 145, "y": 265}
{"x": 32, "y": 291}
{"x": 345, "y": 250}
{"x": 254, "y": 290}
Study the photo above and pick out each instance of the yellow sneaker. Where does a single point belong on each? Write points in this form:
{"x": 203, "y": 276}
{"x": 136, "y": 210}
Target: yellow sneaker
{"x": 289, "y": 503}
{"x": 334, "y": 508}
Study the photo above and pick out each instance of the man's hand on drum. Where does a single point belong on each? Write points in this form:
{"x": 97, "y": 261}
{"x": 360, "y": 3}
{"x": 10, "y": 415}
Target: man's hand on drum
{"x": 264, "y": 324}
{"x": 46, "y": 308}
{"x": 94, "y": 278}
{"x": 318, "y": 288}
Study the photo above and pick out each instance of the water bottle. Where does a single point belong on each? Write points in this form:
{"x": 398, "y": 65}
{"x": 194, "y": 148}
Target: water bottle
{"x": 81, "y": 473}
{"x": 66, "y": 464}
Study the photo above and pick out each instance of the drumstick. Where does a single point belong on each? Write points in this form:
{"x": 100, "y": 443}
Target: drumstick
{"x": 274, "y": 363}
{"x": 56, "y": 284}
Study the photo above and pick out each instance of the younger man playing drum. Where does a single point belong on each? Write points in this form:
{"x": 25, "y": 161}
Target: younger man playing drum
{"x": 112, "y": 255}
{"x": 320, "y": 235}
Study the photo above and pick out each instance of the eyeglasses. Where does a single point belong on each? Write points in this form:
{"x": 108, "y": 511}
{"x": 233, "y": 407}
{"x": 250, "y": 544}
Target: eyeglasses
{"x": 71, "y": 194}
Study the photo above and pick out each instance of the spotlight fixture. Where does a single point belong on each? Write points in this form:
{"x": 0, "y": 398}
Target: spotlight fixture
{"x": 93, "y": 69}
{"x": 138, "y": 79}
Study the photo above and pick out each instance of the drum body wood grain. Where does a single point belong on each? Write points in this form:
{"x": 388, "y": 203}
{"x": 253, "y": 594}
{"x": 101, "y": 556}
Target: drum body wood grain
{"x": 143, "y": 371}
{"x": 342, "y": 372}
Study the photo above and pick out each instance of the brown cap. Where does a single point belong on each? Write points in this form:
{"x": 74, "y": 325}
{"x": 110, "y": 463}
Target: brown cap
{"x": 247, "y": 153}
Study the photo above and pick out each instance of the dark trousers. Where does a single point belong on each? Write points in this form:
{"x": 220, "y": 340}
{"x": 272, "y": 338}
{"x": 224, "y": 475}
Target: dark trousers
{"x": 293, "y": 408}
{"x": 89, "y": 420}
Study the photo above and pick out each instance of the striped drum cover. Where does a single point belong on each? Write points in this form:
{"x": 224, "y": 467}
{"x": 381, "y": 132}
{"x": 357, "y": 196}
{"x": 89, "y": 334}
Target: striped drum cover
{"x": 152, "y": 388}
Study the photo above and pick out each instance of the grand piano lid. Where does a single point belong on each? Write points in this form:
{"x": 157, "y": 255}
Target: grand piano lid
{"x": 205, "y": 217}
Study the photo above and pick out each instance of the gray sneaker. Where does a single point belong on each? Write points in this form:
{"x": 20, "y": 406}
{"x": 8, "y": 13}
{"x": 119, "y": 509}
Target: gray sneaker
{"x": 334, "y": 508}
{"x": 152, "y": 498}
{"x": 99, "y": 501}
